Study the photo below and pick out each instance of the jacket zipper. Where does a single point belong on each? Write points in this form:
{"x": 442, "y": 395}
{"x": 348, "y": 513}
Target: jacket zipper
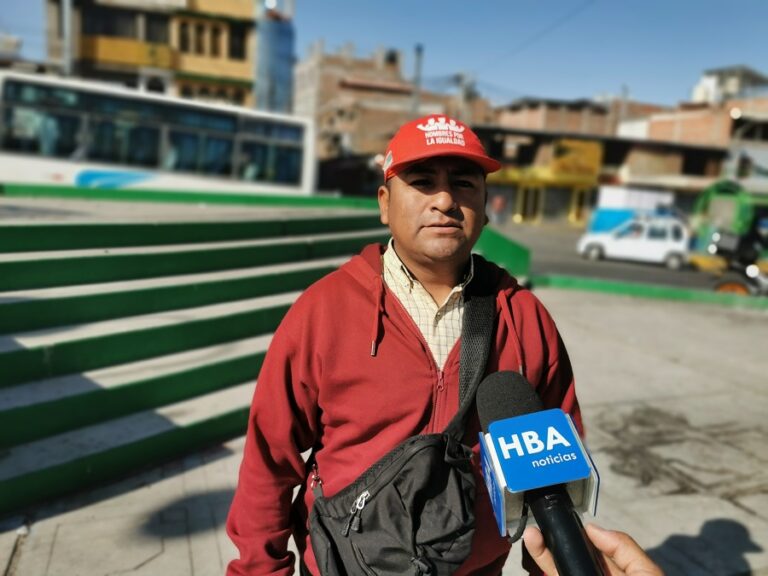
{"x": 316, "y": 483}
{"x": 440, "y": 387}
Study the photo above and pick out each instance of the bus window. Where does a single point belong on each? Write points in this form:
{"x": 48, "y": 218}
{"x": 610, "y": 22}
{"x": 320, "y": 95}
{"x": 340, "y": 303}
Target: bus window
{"x": 253, "y": 163}
{"x": 46, "y": 133}
{"x": 287, "y": 165}
{"x": 30, "y": 93}
{"x": 217, "y": 156}
{"x": 183, "y": 151}
{"x": 144, "y": 146}
{"x": 21, "y": 129}
{"x": 206, "y": 120}
{"x": 124, "y": 142}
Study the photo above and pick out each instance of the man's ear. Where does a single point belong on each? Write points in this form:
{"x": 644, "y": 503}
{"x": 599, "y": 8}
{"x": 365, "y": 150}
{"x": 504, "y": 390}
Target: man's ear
{"x": 383, "y": 197}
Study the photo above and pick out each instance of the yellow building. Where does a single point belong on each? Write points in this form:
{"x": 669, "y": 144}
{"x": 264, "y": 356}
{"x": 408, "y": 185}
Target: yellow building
{"x": 201, "y": 49}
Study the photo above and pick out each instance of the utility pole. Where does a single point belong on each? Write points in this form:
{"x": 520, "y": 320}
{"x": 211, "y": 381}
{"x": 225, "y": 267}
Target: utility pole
{"x": 66, "y": 32}
{"x": 415, "y": 101}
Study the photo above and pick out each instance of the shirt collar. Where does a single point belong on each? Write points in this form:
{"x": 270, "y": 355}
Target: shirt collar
{"x": 399, "y": 270}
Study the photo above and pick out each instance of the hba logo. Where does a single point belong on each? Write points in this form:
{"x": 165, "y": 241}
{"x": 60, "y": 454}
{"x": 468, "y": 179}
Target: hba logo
{"x": 530, "y": 442}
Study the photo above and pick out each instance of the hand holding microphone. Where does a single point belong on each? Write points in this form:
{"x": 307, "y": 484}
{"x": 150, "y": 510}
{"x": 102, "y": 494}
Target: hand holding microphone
{"x": 533, "y": 458}
{"x": 621, "y": 554}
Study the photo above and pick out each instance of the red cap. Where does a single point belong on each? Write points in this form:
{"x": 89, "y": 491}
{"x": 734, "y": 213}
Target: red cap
{"x": 434, "y": 135}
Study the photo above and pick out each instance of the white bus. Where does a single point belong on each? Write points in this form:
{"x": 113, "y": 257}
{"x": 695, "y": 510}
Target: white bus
{"x": 78, "y": 133}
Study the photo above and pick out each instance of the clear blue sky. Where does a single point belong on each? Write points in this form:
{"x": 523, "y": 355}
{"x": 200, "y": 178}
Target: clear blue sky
{"x": 552, "y": 48}
{"x": 513, "y": 48}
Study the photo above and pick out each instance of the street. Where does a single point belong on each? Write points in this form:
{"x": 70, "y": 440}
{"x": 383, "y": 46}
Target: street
{"x": 553, "y": 251}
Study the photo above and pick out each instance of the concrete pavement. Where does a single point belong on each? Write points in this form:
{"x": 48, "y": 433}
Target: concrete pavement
{"x": 674, "y": 397}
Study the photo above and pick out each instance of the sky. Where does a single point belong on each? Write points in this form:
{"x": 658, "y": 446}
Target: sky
{"x": 656, "y": 50}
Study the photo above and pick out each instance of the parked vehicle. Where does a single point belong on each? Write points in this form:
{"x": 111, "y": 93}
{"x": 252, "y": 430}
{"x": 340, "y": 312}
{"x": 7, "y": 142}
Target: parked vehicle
{"x": 743, "y": 279}
{"x": 744, "y": 274}
{"x": 653, "y": 239}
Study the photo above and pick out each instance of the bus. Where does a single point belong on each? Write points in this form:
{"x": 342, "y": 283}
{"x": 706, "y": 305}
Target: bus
{"x": 66, "y": 132}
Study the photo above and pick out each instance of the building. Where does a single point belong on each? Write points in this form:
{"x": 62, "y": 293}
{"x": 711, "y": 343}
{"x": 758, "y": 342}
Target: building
{"x": 10, "y": 49}
{"x": 202, "y": 49}
{"x": 720, "y": 84}
{"x": 358, "y": 102}
{"x": 275, "y": 59}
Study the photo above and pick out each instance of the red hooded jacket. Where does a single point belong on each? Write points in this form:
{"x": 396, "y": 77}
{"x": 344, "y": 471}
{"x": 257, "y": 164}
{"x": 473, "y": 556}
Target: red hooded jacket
{"x": 349, "y": 375}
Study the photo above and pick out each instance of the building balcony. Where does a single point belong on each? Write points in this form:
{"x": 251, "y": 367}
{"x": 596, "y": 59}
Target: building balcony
{"x": 215, "y": 66}
{"x": 126, "y": 52}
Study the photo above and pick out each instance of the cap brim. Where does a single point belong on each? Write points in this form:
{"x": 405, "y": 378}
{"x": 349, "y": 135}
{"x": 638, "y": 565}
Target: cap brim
{"x": 487, "y": 163}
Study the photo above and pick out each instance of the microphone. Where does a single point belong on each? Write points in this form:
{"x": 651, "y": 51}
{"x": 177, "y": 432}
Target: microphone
{"x": 534, "y": 457}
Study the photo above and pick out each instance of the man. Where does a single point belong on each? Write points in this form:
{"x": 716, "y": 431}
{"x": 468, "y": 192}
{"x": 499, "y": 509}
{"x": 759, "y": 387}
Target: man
{"x": 369, "y": 355}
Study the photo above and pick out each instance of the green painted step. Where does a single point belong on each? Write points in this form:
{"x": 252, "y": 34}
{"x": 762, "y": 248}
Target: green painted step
{"x": 74, "y": 349}
{"x": 78, "y": 459}
{"x": 46, "y": 269}
{"x": 44, "y": 408}
{"x": 35, "y": 236}
{"x": 45, "y": 308}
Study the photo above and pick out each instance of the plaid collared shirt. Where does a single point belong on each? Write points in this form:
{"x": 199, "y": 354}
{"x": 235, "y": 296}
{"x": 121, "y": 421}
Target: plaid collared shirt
{"x": 440, "y": 325}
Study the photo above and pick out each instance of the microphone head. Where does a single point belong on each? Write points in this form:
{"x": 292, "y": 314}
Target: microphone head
{"x": 504, "y": 395}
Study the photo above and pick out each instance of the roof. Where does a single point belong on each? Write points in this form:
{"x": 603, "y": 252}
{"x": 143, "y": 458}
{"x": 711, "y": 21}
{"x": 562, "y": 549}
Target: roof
{"x": 554, "y": 102}
{"x": 741, "y": 70}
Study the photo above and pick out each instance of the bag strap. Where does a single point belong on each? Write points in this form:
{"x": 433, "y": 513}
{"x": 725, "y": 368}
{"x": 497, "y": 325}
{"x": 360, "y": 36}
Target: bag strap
{"x": 476, "y": 336}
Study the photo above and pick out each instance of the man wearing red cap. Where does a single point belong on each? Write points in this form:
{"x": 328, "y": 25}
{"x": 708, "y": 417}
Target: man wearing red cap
{"x": 369, "y": 355}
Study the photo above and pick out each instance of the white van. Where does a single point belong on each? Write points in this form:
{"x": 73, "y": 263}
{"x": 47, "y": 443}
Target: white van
{"x": 656, "y": 239}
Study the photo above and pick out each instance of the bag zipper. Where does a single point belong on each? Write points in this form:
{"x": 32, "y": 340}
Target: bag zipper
{"x": 354, "y": 521}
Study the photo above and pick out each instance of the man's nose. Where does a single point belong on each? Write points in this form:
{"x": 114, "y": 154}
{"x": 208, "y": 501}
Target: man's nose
{"x": 444, "y": 198}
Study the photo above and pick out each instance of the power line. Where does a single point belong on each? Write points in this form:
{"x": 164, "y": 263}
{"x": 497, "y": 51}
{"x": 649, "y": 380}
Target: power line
{"x": 542, "y": 33}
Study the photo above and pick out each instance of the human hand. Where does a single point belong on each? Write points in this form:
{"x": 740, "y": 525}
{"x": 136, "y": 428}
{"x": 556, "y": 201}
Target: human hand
{"x": 621, "y": 554}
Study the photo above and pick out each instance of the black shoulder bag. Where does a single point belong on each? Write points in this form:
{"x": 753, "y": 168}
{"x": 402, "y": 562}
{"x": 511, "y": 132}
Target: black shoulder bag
{"x": 411, "y": 512}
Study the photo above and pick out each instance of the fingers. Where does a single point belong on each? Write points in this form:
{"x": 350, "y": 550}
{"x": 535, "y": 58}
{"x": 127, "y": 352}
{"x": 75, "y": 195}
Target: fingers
{"x": 534, "y": 543}
{"x": 623, "y": 551}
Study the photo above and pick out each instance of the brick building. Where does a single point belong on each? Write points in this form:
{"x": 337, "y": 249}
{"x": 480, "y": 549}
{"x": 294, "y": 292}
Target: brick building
{"x": 358, "y": 102}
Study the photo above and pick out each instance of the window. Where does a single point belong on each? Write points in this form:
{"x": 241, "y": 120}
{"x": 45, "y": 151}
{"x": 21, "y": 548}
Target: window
{"x": 633, "y": 230}
{"x": 677, "y": 233}
{"x": 238, "y": 97}
{"x": 217, "y": 156}
{"x": 39, "y": 94}
{"x": 186, "y": 91}
{"x": 261, "y": 162}
{"x": 124, "y": 142}
{"x": 183, "y": 151}
{"x": 237, "y": 38}
{"x": 200, "y": 39}
{"x": 216, "y": 41}
{"x": 102, "y": 21}
{"x": 184, "y": 37}
{"x": 200, "y": 119}
{"x": 204, "y": 92}
{"x": 287, "y": 165}
{"x": 253, "y": 163}
{"x": 657, "y": 232}
{"x": 47, "y": 133}
{"x": 157, "y": 28}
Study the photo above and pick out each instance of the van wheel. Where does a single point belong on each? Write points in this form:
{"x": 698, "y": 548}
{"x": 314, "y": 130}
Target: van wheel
{"x": 674, "y": 261}
{"x": 593, "y": 252}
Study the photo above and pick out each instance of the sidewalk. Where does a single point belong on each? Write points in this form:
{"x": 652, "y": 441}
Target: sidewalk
{"x": 674, "y": 399}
